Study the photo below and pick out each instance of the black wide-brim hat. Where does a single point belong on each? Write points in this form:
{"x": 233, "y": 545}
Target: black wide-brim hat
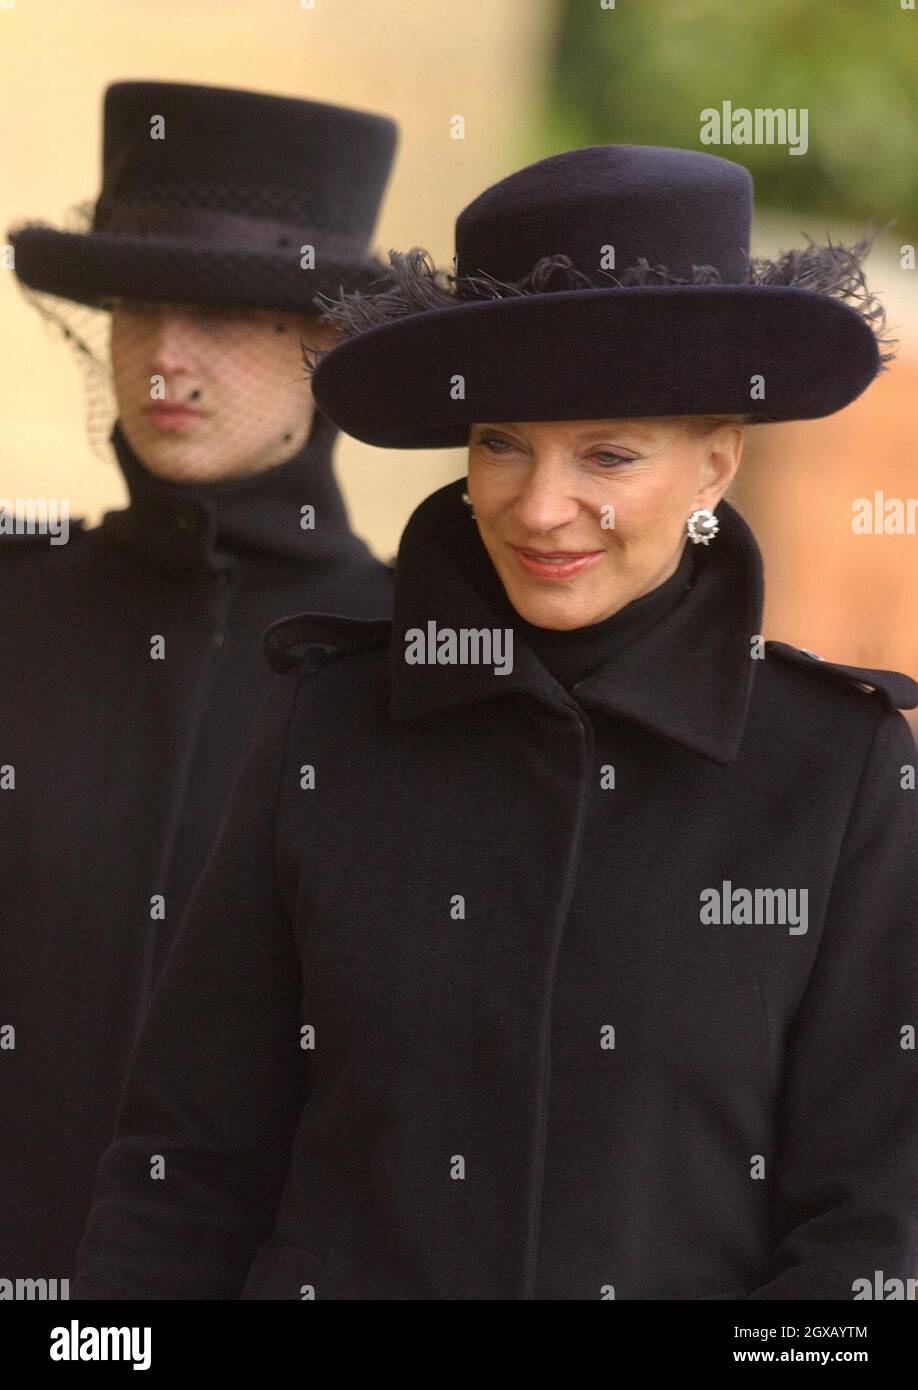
{"x": 216, "y": 196}
{"x": 607, "y": 282}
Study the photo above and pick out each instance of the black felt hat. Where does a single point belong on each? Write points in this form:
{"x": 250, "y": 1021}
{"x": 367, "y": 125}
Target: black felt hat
{"x": 612, "y": 281}
{"x": 217, "y": 196}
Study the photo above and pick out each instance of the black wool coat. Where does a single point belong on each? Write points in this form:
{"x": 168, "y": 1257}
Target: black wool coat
{"x": 468, "y": 1004}
{"x": 122, "y": 766}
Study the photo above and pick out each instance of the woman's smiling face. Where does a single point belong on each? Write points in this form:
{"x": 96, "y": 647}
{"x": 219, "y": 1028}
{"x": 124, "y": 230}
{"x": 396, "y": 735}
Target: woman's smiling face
{"x": 579, "y": 517}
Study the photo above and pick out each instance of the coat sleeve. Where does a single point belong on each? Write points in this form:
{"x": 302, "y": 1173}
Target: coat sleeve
{"x": 190, "y": 1184}
{"x": 845, "y": 1174}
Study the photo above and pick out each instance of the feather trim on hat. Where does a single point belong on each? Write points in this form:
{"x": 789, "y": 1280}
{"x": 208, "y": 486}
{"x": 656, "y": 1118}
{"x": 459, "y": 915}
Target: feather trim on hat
{"x": 414, "y": 284}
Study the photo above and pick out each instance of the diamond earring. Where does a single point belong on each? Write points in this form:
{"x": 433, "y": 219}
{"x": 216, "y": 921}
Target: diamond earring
{"x": 702, "y": 526}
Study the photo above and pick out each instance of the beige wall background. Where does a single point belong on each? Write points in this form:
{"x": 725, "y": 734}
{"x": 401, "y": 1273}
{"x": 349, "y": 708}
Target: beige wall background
{"x": 852, "y": 598}
{"x": 418, "y": 61}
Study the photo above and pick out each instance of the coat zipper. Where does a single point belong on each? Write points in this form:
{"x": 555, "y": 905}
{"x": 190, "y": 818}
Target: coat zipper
{"x": 544, "y": 1081}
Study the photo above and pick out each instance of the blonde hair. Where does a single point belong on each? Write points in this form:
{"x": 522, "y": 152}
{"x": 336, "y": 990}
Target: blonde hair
{"x": 706, "y": 423}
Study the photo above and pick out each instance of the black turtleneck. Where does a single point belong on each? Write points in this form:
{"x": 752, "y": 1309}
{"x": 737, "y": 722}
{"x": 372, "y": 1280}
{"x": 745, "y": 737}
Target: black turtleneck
{"x": 202, "y": 528}
{"x": 572, "y": 653}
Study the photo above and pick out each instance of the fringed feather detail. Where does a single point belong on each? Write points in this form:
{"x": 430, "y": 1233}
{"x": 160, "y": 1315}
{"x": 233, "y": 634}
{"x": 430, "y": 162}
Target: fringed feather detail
{"x": 413, "y": 285}
{"x": 834, "y": 270}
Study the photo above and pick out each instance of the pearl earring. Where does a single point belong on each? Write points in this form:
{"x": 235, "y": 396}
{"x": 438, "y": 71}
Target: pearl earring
{"x": 702, "y": 526}
{"x": 468, "y": 502}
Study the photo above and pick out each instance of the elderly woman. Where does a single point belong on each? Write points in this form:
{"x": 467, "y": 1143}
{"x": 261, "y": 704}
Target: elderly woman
{"x": 561, "y": 942}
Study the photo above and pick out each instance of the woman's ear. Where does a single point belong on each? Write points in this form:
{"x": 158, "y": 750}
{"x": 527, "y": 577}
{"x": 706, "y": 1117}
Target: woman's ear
{"x": 722, "y": 454}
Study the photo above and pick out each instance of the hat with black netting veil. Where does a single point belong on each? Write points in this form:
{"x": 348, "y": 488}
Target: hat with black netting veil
{"x": 216, "y": 196}
{"x": 608, "y": 282}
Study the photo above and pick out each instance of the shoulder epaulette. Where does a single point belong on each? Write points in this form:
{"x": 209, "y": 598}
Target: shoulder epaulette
{"x": 894, "y": 687}
{"x": 309, "y": 640}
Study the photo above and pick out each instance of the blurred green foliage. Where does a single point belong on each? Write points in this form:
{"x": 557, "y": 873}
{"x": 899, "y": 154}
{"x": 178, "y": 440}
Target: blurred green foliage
{"x": 642, "y": 73}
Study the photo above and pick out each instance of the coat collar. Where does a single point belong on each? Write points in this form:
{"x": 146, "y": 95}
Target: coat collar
{"x": 198, "y": 529}
{"x": 688, "y": 677}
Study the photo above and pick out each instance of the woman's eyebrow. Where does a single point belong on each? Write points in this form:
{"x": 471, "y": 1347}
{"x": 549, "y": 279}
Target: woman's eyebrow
{"x": 648, "y": 435}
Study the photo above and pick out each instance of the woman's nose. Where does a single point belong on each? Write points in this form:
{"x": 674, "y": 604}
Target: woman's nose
{"x": 171, "y": 346}
{"x": 545, "y": 500}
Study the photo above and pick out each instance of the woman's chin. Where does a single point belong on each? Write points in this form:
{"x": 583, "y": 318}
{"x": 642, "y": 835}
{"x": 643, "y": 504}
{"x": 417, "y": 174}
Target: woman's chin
{"x": 555, "y": 611}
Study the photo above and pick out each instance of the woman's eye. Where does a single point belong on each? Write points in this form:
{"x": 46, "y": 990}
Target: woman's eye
{"x": 604, "y": 457}
{"x": 609, "y": 460}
